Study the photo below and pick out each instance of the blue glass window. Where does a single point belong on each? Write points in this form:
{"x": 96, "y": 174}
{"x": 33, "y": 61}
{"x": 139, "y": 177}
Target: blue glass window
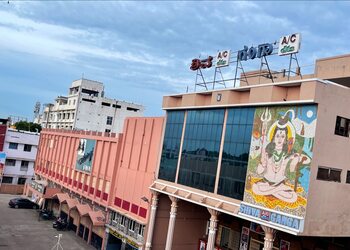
{"x": 236, "y": 152}
{"x": 200, "y": 149}
{"x": 171, "y": 145}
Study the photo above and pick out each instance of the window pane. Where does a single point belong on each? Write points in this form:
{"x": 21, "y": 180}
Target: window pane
{"x": 342, "y": 126}
{"x": 21, "y": 181}
{"x": 171, "y": 145}
{"x": 27, "y": 148}
{"x": 10, "y": 162}
{"x": 236, "y": 151}
{"x": 334, "y": 175}
{"x": 13, "y": 145}
{"x": 199, "y": 156}
{"x": 323, "y": 174}
{"x": 7, "y": 179}
{"x": 348, "y": 177}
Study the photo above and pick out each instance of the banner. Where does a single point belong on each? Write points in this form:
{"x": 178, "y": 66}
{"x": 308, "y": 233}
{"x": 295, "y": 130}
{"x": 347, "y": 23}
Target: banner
{"x": 85, "y": 154}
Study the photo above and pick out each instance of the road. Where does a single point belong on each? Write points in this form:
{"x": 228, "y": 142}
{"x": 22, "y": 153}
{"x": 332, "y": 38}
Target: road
{"x": 20, "y": 229}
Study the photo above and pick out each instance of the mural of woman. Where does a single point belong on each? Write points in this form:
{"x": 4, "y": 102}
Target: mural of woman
{"x": 276, "y": 156}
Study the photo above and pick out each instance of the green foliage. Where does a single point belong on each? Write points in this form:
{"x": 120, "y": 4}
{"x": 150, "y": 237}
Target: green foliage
{"x": 28, "y": 126}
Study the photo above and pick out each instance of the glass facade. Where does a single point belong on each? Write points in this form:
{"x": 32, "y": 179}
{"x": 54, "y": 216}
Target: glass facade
{"x": 171, "y": 145}
{"x": 236, "y": 152}
{"x": 200, "y": 150}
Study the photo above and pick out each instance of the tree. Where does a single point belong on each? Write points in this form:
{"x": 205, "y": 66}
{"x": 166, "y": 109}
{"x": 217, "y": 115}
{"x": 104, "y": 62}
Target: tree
{"x": 28, "y": 126}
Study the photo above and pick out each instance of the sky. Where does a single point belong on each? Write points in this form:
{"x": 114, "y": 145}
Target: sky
{"x": 142, "y": 51}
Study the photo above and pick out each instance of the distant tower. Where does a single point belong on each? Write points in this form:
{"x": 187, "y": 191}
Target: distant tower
{"x": 37, "y": 110}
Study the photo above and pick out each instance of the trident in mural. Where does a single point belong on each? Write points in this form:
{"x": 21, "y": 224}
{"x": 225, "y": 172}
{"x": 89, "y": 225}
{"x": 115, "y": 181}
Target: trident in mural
{"x": 265, "y": 118}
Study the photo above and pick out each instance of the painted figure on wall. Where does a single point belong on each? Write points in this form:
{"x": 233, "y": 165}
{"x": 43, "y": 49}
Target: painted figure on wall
{"x": 280, "y": 158}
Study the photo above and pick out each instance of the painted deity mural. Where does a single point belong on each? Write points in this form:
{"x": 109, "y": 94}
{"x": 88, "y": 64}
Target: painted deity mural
{"x": 280, "y": 157}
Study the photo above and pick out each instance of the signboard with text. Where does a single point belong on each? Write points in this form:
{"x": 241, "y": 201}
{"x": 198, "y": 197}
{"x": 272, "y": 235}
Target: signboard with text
{"x": 223, "y": 58}
{"x": 2, "y": 164}
{"x": 289, "y": 44}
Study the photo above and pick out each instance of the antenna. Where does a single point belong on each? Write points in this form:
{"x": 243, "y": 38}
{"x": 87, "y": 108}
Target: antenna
{"x": 36, "y": 109}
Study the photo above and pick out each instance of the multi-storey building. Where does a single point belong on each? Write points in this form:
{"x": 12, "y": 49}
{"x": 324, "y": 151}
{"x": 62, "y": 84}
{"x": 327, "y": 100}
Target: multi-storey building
{"x": 20, "y": 148}
{"x": 86, "y": 108}
{"x": 260, "y": 166}
{"x": 3, "y": 129}
{"x": 99, "y": 181}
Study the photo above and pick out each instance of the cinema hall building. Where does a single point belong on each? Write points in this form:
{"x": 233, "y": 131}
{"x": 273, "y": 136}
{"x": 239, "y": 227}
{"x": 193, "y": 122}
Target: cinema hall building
{"x": 260, "y": 166}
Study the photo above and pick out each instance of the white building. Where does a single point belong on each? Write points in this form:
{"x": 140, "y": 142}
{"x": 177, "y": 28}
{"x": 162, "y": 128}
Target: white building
{"x": 86, "y": 108}
{"x": 20, "y": 148}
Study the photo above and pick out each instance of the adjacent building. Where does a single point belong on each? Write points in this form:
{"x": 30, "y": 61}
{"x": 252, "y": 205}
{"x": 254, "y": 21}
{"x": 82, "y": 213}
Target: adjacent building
{"x": 99, "y": 182}
{"x": 260, "y": 166}
{"x": 86, "y": 108}
{"x": 20, "y": 148}
{"x": 3, "y": 129}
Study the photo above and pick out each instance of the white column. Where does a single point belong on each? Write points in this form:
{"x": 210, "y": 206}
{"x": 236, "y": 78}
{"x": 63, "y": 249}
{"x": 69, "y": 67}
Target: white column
{"x": 171, "y": 226}
{"x": 269, "y": 237}
{"x": 152, "y": 220}
{"x": 213, "y": 223}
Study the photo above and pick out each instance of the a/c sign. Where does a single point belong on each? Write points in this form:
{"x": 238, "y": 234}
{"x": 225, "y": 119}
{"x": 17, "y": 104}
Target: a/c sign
{"x": 289, "y": 44}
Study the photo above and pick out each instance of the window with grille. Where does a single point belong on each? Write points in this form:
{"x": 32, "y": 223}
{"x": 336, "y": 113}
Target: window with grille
{"x": 24, "y": 165}
{"x": 109, "y": 120}
{"x": 7, "y": 179}
{"x": 10, "y": 162}
{"x": 13, "y": 145}
{"x": 21, "y": 181}
{"x": 27, "y": 148}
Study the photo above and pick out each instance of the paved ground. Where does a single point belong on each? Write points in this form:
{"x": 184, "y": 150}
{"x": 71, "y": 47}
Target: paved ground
{"x": 20, "y": 229}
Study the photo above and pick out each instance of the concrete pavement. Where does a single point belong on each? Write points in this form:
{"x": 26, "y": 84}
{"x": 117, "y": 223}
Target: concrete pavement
{"x": 20, "y": 229}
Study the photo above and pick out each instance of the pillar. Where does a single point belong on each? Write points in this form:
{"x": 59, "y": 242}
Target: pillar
{"x": 213, "y": 224}
{"x": 152, "y": 220}
{"x": 78, "y": 225}
{"x": 123, "y": 246}
{"x": 171, "y": 226}
{"x": 105, "y": 239}
{"x": 84, "y": 231}
{"x": 269, "y": 237}
{"x": 68, "y": 219}
{"x": 59, "y": 209}
{"x": 90, "y": 233}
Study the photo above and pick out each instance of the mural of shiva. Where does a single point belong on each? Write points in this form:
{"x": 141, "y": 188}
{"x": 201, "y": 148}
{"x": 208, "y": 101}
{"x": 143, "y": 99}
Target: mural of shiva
{"x": 280, "y": 157}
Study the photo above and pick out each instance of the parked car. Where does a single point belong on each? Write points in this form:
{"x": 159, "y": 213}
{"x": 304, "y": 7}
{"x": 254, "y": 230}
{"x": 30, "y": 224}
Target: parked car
{"x": 22, "y": 203}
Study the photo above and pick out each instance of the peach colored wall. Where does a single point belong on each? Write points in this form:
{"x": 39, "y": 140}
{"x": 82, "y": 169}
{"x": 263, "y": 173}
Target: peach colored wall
{"x": 333, "y": 67}
{"x": 56, "y": 161}
{"x": 137, "y": 165}
{"x": 11, "y": 189}
{"x": 190, "y": 225}
{"x": 328, "y": 211}
{"x": 279, "y": 92}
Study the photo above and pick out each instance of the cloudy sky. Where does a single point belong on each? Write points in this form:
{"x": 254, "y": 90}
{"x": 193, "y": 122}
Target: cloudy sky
{"x": 142, "y": 50}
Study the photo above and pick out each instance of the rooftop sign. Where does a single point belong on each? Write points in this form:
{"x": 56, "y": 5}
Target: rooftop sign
{"x": 265, "y": 49}
{"x": 223, "y": 58}
{"x": 289, "y": 44}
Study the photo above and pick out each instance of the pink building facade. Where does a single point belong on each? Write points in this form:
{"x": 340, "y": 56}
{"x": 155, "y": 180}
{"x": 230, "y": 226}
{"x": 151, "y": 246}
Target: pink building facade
{"x": 99, "y": 182}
